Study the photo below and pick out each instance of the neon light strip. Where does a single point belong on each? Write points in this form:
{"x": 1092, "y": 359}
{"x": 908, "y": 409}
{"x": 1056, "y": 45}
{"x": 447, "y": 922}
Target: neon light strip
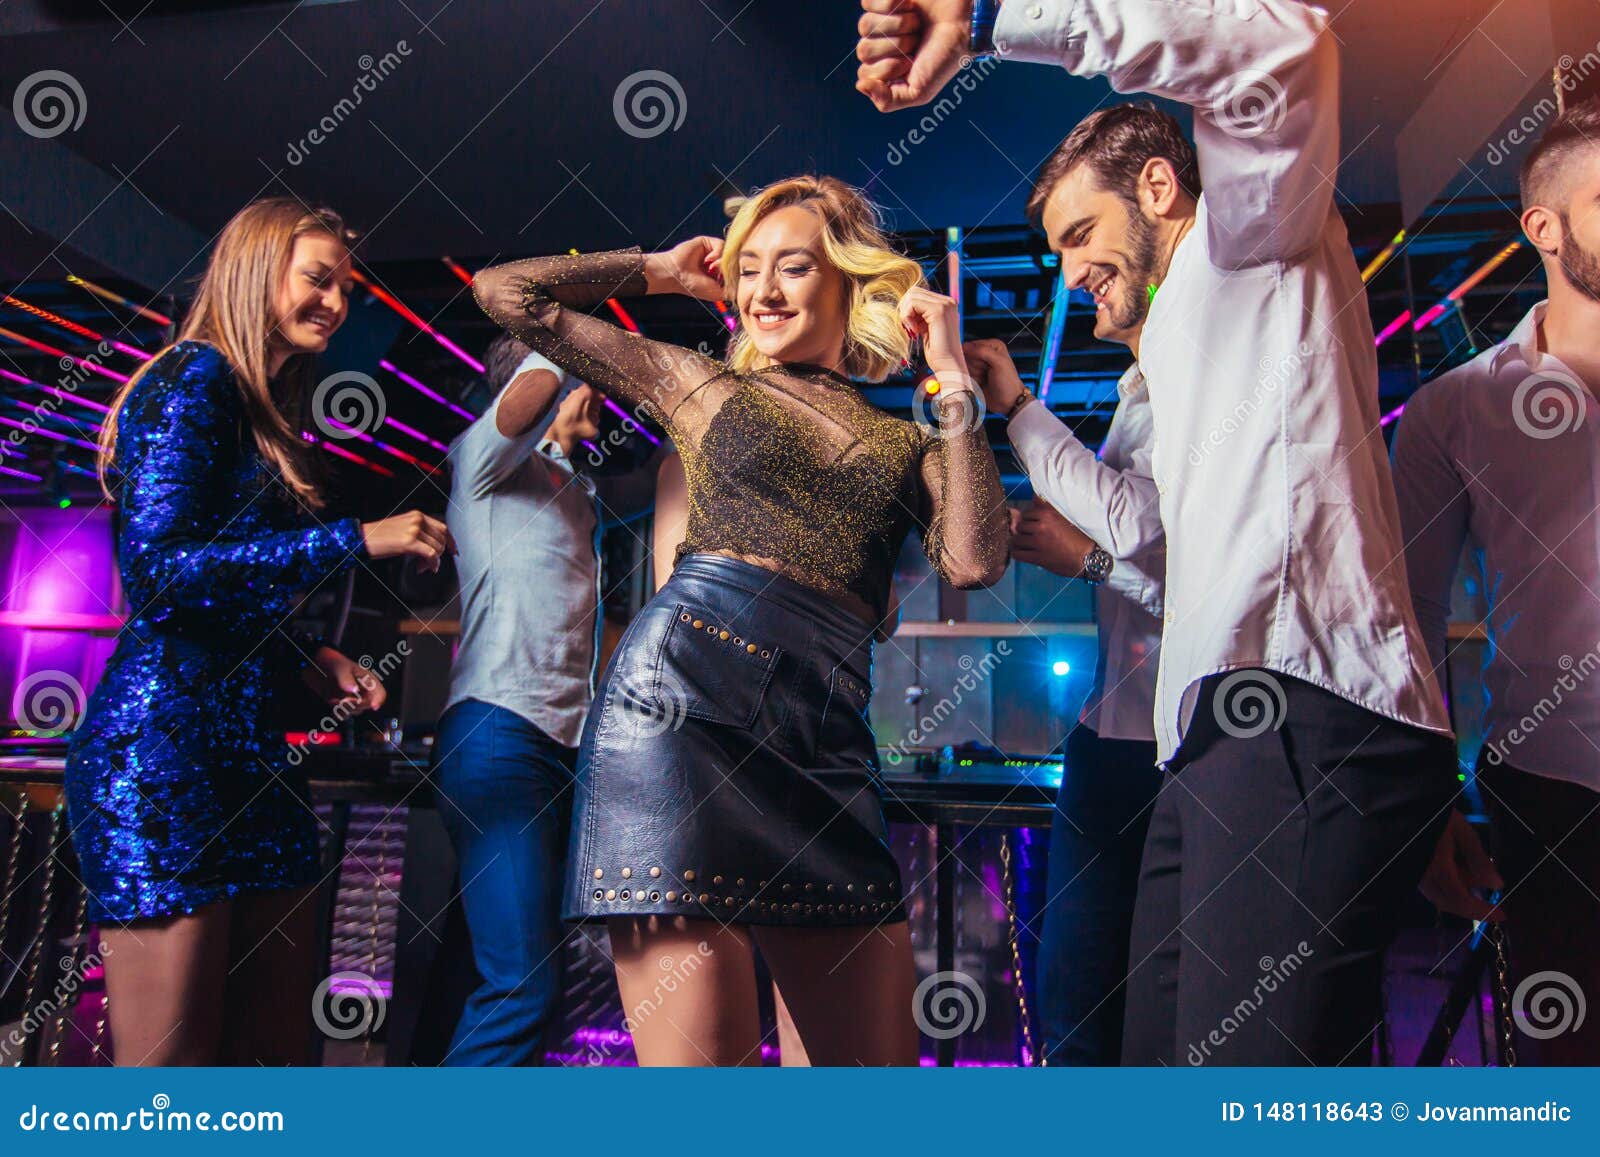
{"x": 1052, "y": 336}
{"x": 622, "y": 315}
{"x": 400, "y": 307}
{"x": 1383, "y": 256}
{"x": 46, "y": 433}
{"x": 64, "y": 395}
{"x": 73, "y": 327}
{"x": 384, "y": 446}
{"x": 432, "y": 395}
{"x": 455, "y": 267}
{"x": 343, "y": 453}
{"x": 1393, "y": 327}
{"x": 44, "y": 413}
{"x": 1392, "y": 414}
{"x": 101, "y": 291}
{"x": 414, "y": 433}
{"x": 20, "y": 474}
{"x": 1468, "y": 285}
{"x": 627, "y": 417}
{"x": 55, "y": 353}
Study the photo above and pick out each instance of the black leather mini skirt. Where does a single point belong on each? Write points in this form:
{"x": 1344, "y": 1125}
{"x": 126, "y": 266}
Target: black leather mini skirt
{"x": 728, "y": 768}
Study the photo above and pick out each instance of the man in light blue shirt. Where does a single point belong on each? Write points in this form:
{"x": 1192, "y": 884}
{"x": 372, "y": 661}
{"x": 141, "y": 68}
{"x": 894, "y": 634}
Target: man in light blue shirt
{"x": 527, "y": 527}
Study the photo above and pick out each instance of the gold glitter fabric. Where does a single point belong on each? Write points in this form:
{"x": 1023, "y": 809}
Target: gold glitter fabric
{"x": 789, "y": 468}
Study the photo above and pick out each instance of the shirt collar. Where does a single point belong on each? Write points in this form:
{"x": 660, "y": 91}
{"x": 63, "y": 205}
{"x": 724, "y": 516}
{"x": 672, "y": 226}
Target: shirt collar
{"x": 1522, "y": 341}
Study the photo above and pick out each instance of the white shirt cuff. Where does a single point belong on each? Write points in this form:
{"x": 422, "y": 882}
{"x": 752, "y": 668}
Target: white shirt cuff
{"x": 1033, "y": 30}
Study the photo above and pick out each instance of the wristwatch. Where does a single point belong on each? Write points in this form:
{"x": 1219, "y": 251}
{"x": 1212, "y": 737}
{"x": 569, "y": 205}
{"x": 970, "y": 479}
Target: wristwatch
{"x": 980, "y": 39}
{"x": 1097, "y": 566}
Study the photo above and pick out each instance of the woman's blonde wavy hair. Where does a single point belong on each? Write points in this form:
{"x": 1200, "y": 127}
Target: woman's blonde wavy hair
{"x": 853, "y": 240}
{"x": 233, "y": 311}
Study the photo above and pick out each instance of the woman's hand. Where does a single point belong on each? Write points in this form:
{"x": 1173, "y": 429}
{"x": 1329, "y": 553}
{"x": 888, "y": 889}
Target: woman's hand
{"x": 693, "y": 267}
{"x": 995, "y": 373}
{"x": 410, "y": 533}
{"x": 935, "y": 320}
{"x": 340, "y": 681}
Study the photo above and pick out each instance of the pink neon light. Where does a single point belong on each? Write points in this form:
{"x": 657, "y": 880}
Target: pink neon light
{"x": 432, "y": 395}
{"x": 414, "y": 433}
{"x": 1393, "y": 327}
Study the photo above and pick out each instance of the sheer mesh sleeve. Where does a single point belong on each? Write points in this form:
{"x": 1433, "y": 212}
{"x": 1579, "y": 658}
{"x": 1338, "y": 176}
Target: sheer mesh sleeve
{"x": 966, "y": 530}
{"x": 539, "y": 300}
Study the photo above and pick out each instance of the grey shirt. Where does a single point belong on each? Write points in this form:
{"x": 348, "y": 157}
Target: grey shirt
{"x": 527, "y": 530}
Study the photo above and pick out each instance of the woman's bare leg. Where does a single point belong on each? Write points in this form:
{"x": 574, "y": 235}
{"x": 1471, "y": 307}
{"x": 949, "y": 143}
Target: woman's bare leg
{"x": 688, "y": 990}
{"x": 791, "y": 1049}
{"x": 164, "y": 984}
{"x": 849, "y": 990}
{"x": 272, "y": 976}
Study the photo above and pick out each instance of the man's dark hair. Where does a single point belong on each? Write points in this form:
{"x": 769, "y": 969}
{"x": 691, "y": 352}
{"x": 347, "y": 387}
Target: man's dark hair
{"x": 1116, "y": 143}
{"x": 501, "y": 359}
{"x": 1575, "y": 129}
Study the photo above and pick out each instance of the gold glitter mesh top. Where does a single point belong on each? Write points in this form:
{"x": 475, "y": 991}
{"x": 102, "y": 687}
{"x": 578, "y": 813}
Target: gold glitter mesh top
{"x": 789, "y": 468}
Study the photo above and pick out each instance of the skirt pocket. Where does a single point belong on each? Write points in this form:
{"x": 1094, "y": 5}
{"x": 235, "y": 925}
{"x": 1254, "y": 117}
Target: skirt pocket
{"x": 710, "y": 671}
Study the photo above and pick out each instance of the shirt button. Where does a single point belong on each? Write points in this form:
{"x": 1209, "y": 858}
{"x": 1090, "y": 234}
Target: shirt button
{"x": 1035, "y": 11}
{"x": 1168, "y": 616}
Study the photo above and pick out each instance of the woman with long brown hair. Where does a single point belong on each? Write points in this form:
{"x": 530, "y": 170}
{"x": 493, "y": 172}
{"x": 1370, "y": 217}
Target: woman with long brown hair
{"x": 727, "y": 790}
{"x": 194, "y": 832}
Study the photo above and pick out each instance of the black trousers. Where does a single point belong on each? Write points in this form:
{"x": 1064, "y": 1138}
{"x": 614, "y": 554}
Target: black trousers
{"x": 1281, "y": 853}
{"x": 1097, "y": 838}
{"x": 1546, "y": 836}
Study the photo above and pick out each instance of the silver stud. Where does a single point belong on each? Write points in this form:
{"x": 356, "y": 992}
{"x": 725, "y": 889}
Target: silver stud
{"x": 627, "y": 873}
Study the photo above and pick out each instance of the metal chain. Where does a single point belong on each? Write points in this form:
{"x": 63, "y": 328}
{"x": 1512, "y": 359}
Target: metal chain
{"x": 100, "y": 1025}
{"x": 1503, "y": 994}
{"x": 13, "y": 857}
{"x": 77, "y": 961}
{"x": 1024, "y": 1020}
{"x": 47, "y": 895}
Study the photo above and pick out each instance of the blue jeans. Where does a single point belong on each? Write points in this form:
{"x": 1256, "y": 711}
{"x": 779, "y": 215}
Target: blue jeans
{"x": 504, "y": 790}
{"x": 1097, "y": 837}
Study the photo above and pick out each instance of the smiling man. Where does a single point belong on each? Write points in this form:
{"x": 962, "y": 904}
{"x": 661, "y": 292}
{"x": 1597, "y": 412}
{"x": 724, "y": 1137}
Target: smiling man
{"x": 1295, "y": 705}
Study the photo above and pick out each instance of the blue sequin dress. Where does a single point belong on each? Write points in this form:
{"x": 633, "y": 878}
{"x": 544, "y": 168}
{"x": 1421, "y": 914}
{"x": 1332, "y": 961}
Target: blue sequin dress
{"x": 179, "y": 787}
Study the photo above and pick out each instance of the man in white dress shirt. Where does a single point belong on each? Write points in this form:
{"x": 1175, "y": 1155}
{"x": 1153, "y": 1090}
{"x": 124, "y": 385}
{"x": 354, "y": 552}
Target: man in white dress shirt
{"x": 1503, "y": 453}
{"x": 1295, "y": 703}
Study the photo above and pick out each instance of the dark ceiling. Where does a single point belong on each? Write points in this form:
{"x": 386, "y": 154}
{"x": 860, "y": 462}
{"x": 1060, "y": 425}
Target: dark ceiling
{"x": 490, "y": 128}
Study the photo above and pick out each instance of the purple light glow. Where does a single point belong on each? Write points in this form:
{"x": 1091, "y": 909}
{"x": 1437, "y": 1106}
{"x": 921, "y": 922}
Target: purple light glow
{"x": 430, "y": 394}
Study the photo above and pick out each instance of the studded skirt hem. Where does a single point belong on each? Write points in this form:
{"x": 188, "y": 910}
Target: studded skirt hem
{"x": 728, "y": 770}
